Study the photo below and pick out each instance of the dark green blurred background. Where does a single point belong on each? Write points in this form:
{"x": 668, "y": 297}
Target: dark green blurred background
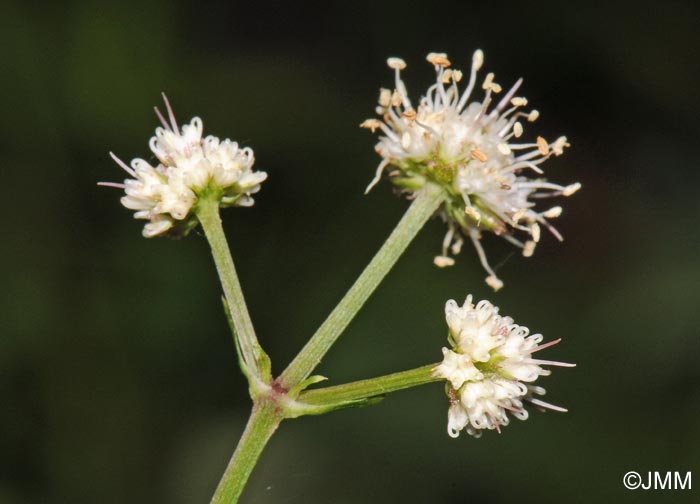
{"x": 117, "y": 373}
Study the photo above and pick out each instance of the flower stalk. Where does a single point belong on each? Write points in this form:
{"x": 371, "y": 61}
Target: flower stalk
{"x": 370, "y": 388}
{"x": 427, "y": 201}
{"x": 254, "y": 360}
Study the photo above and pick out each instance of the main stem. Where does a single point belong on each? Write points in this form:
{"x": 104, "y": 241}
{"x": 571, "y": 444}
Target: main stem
{"x": 208, "y": 215}
{"x": 422, "y": 208}
{"x": 261, "y": 425}
{"x": 371, "y": 387}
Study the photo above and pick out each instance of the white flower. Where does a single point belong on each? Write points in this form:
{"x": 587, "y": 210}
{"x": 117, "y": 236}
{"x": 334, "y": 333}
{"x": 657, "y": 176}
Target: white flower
{"x": 470, "y": 148}
{"x": 490, "y": 368}
{"x": 457, "y": 368}
{"x": 189, "y": 167}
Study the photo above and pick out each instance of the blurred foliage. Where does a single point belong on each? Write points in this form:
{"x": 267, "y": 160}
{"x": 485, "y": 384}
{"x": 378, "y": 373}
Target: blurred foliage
{"x": 117, "y": 373}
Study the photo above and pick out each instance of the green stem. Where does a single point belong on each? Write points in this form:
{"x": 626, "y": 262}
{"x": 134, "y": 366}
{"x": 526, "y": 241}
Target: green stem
{"x": 371, "y": 387}
{"x": 422, "y": 208}
{"x": 208, "y": 215}
{"x": 262, "y": 423}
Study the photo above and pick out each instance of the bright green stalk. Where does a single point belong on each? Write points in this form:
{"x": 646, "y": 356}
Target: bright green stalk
{"x": 252, "y": 353}
{"x": 422, "y": 208}
{"x": 261, "y": 425}
{"x": 372, "y": 387}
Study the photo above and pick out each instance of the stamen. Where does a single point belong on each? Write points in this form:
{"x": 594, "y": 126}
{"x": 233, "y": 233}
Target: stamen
{"x": 124, "y": 166}
{"x": 162, "y": 119}
{"x": 519, "y": 215}
{"x": 524, "y": 164}
{"x": 396, "y": 63}
{"x": 546, "y": 405}
{"x": 456, "y": 247}
{"x": 447, "y": 239}
{"x": 507, "y": 97}
{"x": 171, "y": 115}
{"x": 438, "y": 59}
{"x": 371, "y": 124}
{"x": 112, "y": 184}
{"x": 477, "y": 61}
{"x": 503, "y": 148}
{"x": 442, "y": 261}
{"x": 473, "y": 213}
{"x": 494, "y": 282}
{"x": 518, "y": 129}
{"x": 474, "y": 236}
{"x": 559, "y": 144}
{"x": 571, "y": 189}
{"x": 545, "y": 345}
{"x": 551, "y": 229}
{"x": 478, "y": 155}
{"x": 406, "y": 140}
{"x": 552, "y": 363}
{"x": 553, "y": 212}
{"x": 377, "y": 175}
{"x": 384, "y": 97}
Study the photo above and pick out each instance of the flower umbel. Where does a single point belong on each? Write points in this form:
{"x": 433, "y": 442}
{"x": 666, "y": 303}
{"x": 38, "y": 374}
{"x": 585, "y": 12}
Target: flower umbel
{"x": 490, "y": 368}
{"x": 471, "y": 149}
{"x": 188, "y": 167}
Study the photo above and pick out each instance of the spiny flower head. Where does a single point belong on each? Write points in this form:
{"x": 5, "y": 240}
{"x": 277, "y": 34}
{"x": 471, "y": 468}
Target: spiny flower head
{"x": 471, "y": 149}
{"x": 187, "y": 167}
{"x": 490, "y": 368}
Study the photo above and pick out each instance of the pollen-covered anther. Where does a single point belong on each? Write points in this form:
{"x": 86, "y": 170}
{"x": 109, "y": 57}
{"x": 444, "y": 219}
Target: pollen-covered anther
{"x": 519, "y": 215}
{"x": 519, "y": 101}
{"x": 529, "y": 248}
{"x": 517, "y": 130}
{"x": 473, "y": 213}
{"x": 396, "y": 63}
{"x": 553, "y": 212}
{"x": 533, "y": 115}
{"x": 384, "y": 97}
{"x": 409, "y": 114}
{"x": 406, "y": 140}
{"x": 542, "y": 146}
{"x": 494, "y": 282}
{"x": 438, "y": 59}
{"x": 559, "y": 144}
{"x": 490, "y": 84}
{"x": 503, "y": 148}
{"x": 535, "y": 232}
{"x": 371, "y": 124}
{"x": 477, "y": 60}
{"x": 571, "y": 189}
{"x": 442, "y": 261}
{"x": 478, "y": 155}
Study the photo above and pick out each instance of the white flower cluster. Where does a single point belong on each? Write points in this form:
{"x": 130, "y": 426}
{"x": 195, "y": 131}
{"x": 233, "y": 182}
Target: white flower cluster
{"x": 470, "y": 148}
{"x": 189, "y": 167}
{"x": 490, "y": 368}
